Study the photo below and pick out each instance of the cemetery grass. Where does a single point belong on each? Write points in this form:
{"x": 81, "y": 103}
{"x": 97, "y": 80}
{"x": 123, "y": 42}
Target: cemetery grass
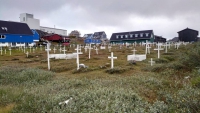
{"x": 171, "y": 85}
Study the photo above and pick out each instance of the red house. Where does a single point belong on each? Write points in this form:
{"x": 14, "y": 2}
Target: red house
{"x": 53, "y": 37}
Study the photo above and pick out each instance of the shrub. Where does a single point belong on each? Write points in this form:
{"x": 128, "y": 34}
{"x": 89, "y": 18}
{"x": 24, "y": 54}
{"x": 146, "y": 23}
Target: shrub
{"x": 161, "y": 60}
{"x": 22, "y": 75}
{"x": 115, "y": 70}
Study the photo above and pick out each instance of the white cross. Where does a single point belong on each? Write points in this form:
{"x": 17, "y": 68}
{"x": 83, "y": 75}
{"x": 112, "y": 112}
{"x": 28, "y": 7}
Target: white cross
{"x": 48, "y": 49}
{"x": 109, "y": 47}
{"x": 40, "y": 47}
{"x": 158, "y": 50}
{"x": 5, "y": 51}
{"x": 24, "y": 49}
{"x": 54, "y": 49}
{"x": 166, "y": 45}
{"x": 152, "y": 62}
{"x": 64, "y": 50}
{"x": 96, "y": 50}
{"x": 77, "y": 56}
{"x": 134, "y": 51}
{"x": 33, "y": 50}
{"x": 85, "y": 49}
{"x": 89, "y": 50}
{"x": 27, "y": 54}
{"x": 1, "y": 50}
{"x": 112, "y": 60}
{"x": 10, "y": 50}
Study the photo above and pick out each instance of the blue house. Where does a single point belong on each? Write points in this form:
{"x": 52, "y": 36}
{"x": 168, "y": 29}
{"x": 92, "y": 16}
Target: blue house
{"x": 13, "y": 33}
{"x": 88, "y": 36}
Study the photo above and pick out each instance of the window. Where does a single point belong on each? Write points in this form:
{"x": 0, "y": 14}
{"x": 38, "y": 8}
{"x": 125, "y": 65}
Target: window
{"x": 126, "y": 36}
{"x": 136, "y": 35}
{"x": 147, "y": 34}
{"x": 141, "y": 34}
{"x": 117, "y": 36}
{"x": 131, "y": 35}
{"x": 121, "y": 36}
{"x": 2, "y": 36}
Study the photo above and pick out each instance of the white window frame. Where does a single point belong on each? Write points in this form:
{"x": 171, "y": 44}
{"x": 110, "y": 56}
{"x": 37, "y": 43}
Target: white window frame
{"x": 147, "y": 34}
{"x": 117, "y": 36}
{"x": 131, "y": 35}
{"x": 136, "y": 35}
{"x": 1, "y": 36}
{"x": 126, "y": 36}
{"x": 141, "y": 34}
{"x": 121, "y": 36}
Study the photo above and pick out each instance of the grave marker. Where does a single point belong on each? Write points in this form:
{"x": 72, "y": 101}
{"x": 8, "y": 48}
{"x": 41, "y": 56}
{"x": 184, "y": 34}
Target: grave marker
{"x": 1, "y": 50}
{"x": 159, "y": 49}
{"x": 27, "y": 54}
{"x": 112, "y": 60}
{"x": 134, "y": 51}
{"x": 152, "y": 62}
{"x": 48, "y": 59}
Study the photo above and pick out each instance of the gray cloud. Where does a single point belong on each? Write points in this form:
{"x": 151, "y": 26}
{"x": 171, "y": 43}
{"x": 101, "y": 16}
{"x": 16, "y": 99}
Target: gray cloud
{"x": 164, "y": 17}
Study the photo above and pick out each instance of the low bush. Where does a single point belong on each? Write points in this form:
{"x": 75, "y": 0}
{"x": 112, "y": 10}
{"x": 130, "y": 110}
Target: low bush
{"x": 117, "y": 70}
{"x": 22, "y": 75}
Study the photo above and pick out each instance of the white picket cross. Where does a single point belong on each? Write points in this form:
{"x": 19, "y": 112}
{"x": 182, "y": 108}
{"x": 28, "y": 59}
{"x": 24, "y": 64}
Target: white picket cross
{"x": 1, "y": 50}
{"x": 134, "y": 51}
{"x": 27, "y": 54}
{"x": 158, "y": 49}
{"x": 96, "y": 50}
{"x": 112, "y": 60}
{"x": 10, "y": 50}
{"x": 48, "y": 59}
{"x": 152, "y": 62}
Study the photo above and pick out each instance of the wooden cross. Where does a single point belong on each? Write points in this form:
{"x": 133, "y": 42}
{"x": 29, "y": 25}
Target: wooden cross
{"x": 134, "y": 51}
{"x": 112, "y": 60}
{"x": 109, "y": 47}
{"x": 64, "y": 50}
{"x": 158, "y": 49}
{"x": 89, "y": 50}
{"x": 1, "y": 50}
{"x": 5, "y": 51}
{"x": 10, "y": 50}
{"x": 33, "y": 50}
{"x": 77, "y": 56}
{"x": 27, "y": 54}
{"x": 54, "y": 49}
{"x": 48, "y": 59}
{"x": 152, "y": 62}
{"x": 96, "y": 50}
{"x": 85, "y": 49}
{"x": 40, "y": 47}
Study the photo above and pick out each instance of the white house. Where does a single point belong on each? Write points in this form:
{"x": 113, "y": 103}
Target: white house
{"x": 35, "y": 24}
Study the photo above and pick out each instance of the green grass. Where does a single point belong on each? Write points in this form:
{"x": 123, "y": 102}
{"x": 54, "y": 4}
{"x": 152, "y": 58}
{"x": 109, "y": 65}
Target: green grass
{"x": 26, "y": 85}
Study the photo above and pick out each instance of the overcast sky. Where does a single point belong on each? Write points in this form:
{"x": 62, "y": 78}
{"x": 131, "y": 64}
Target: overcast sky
{"x": 164, "y": 17}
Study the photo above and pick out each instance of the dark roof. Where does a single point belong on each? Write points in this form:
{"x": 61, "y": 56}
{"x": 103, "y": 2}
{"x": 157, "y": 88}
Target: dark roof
{"x": 8, "y": 27}
{"x": 98, "y": 33}
{"x": 41, "y": 33}
{"x": 146, "y": 35}
{"x": 88, "y": 35}
{"x": 189, "y": 29}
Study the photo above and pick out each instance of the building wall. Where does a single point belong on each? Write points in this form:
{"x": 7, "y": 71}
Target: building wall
{"x": 28, "y": 19}
{"x": 17, "y": 38}
{"x": 35, "y": 24}
{"x": 188, "y": 36}
{"x": 54, "y": 30}
{"x": 132, "y": 41}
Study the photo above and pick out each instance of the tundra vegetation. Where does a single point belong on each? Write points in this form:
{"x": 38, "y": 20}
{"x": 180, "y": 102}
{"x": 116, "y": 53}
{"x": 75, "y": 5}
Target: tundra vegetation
{"x": 171, "y": 85}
